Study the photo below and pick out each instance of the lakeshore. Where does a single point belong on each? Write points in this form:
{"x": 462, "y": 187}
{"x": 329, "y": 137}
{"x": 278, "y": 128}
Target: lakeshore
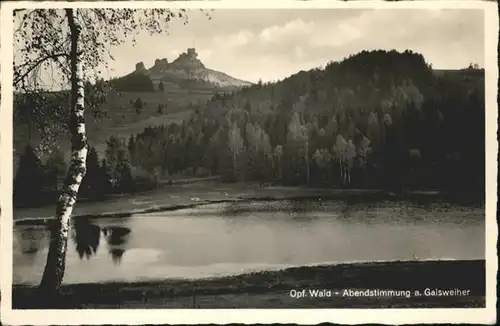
{"x": 275, "y": 289}
{"x": 189, "y": 195}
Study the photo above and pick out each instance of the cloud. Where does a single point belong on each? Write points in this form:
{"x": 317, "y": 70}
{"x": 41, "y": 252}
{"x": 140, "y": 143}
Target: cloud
{"x": 291, "y": 29}
{"x": 236, "y": 40}
{"x": 335, "y": 36}
{"x": 270, "y": 44}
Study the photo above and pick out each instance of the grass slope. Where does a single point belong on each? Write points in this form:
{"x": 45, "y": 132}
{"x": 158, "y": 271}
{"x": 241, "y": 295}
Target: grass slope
{"x": 119, "y": 117}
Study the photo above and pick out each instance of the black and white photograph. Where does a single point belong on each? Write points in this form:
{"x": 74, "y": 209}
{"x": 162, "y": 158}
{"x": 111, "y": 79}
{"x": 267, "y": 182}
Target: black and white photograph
{"x": 187, "y": 156}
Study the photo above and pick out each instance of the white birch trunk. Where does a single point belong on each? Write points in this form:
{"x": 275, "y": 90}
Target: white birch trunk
{"x": 56, "y": 259}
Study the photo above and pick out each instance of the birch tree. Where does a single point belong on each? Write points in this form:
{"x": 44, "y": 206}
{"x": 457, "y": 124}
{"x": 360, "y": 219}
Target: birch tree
{"x": 259, "y": 149}
{"x": 297, "y": 136}
{"x": 386, "y": 123}
{"x": 340, "y": 149}
{"x": 345, "y": 152}
{"x": 350, "y": 156}
{"x": 69, "y": 47}
{"x": 278, "y": 155}
{"x": 236, "y": 144}
{"x": 322, "y": 158}
{"x": 373, "y": 128}
{"x": 364, "y": 150}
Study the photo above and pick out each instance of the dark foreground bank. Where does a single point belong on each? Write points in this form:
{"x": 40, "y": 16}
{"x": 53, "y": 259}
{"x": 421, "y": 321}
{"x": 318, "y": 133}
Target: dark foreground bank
{"x": 331, "y": 286}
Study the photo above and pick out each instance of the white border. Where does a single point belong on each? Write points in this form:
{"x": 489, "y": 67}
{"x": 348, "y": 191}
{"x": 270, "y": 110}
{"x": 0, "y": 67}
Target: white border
{"x": 221, "y": 316}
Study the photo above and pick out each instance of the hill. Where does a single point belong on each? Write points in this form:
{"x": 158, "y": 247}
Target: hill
{"x": 376, "y": 119}
{"x": 185, "y": 84}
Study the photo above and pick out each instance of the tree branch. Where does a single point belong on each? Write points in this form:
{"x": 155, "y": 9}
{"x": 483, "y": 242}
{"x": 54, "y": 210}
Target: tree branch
{"x": 19, "y": 78}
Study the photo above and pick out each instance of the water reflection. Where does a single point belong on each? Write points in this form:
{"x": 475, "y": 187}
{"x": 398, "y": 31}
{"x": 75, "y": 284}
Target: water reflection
{"x": 87, "y": 235}
{"x": 220, "y": 239}
{"x": 32, "y": 240}
{"x": 116, "y": 254}
{"x": 116, "y": 237}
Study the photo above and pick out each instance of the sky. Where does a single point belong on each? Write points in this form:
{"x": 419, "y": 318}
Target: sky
{"x": 270, "y": 44}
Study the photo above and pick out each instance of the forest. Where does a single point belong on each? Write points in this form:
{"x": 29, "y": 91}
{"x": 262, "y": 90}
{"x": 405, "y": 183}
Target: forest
{"x": 377, "y": 119}
{"x": 134, "y": 82}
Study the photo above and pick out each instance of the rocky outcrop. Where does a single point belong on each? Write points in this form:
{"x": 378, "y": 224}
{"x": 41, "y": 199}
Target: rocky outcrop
{"x": 140, "y": 67}
{"x": 188, "y": 61}
{"x": 160, "y": 64}
{"x": 187, "y": 66}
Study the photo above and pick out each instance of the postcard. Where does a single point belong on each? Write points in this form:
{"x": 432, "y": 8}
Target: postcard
{"x": 302, "y": 162}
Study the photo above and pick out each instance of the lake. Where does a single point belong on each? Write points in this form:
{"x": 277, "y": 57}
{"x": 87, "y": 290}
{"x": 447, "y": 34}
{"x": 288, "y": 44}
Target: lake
{"x": 233, "y": 238}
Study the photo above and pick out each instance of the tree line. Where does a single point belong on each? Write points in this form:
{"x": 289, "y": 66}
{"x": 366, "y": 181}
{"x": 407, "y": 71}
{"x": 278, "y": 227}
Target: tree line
{"x": 134, "y": 82}
{"x": 38, "y": 183}
{"x": 377, "y": 119}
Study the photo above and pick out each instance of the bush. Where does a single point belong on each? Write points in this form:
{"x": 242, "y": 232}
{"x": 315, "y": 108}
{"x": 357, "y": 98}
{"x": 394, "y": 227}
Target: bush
{"x": 29, "y": 179}
{"x": 138, "y": 105}
{"x": 144, "y": 180}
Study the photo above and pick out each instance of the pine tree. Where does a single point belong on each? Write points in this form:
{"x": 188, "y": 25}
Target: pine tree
{"x": 113, "y": 149}
{"x": 28, "y": 182}
{"x": 124, "y": 182}
{"x": 55, "y": 169}
{"x": 298, "y": 146}
{"x": 237, "y": 146}
{"x": 105, "y": 178}
{"x": 132, "y": 150}
{"x": 91, "y": 183}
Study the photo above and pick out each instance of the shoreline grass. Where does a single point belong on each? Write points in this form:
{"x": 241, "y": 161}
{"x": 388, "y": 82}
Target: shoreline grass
{"x": 271, "y": 289}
